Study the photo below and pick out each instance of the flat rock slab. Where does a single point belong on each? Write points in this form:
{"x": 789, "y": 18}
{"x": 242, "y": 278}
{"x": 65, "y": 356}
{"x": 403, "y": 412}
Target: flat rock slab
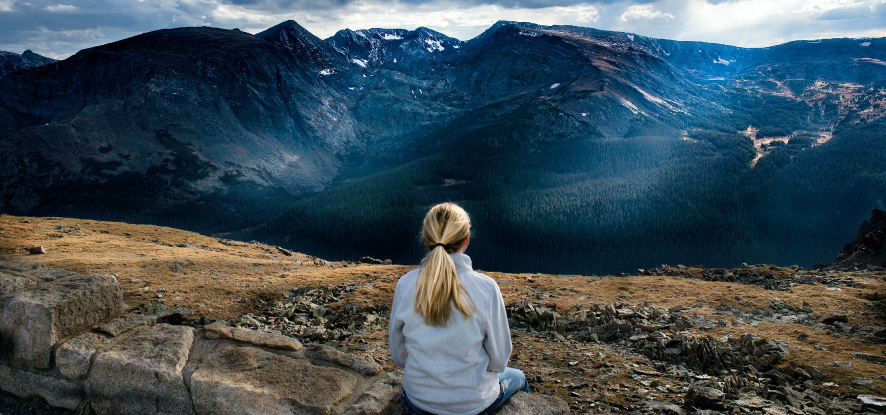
{"x": 34, "y": 319}
{"x": 381, "y": 398}
{"x": 58, "y": 392}
{"x": 142, "y": 373}
{"x": 74, "y": 355}
{"x": 232, "y": 379}
{"x": 348, "y": 360}
{"x": 13, "y": 264}
{"x": 122, "y": 324}
{"x": 12, "y": 283}
{"x": 522, "y": 403}
{"x": 258, "y": 338}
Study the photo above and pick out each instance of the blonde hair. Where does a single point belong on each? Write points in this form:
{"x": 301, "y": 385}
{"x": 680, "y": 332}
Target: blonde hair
{"x": 444, "y": 231}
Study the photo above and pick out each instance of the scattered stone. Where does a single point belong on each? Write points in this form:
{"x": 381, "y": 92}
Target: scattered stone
{"x": 269, "y": 340}
{"x": 664, "y": 407}
{"x": 872, "y": 401}
{"x": 74, "y": 356}
{"x": 37, "y": 250}
{"x": 751, "y": 401}
{"x": 371, "y": 261}
{"x": 870, "y": 358}
{"x": 35, "y": 319}
{"x": 835, "y": 318}
{"x": 844, "y": 365}
{"x": 862, "y": 381}
{"x": 142, "y": 374}
{"x": 704, "y": 397}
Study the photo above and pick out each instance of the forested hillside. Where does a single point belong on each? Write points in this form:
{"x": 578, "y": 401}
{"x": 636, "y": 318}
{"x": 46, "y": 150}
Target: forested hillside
{"x": 576, "y": 150}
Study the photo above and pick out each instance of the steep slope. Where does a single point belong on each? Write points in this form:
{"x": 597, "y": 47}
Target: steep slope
{"x": 183, "y": 111}
{"x": 621, "y": 150}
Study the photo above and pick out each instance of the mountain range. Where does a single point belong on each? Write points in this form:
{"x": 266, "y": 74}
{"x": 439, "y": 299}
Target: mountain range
{"x": 11, "y": 62}
{"x": 576, "y": 150}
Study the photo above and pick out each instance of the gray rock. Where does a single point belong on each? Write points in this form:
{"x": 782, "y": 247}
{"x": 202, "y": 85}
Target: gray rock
{"x": 12, "y": 264}
{"x": 704, "y": 397}
{"x": 232, "y": 379}
{"x": 258, "y": 338}
{"x": 380, "y": 398}
{"x": 42, "y": 275}
{"x": 74, "y": 356}
{"x": 59, "y": 392}
{"x": 838, "y": 363}
{"x": 523, "y": 403}
{"x": 751, "y": 401}
{"x": 122, "y": 324}
{"x": 835, "y": 318}
{"x": 12, "y": 283}
{"x": 664, "y": 407}
{"x": 34, "y": 319}
{"x": 347, "y": 360}
{"x": 862, "y": 381}
{"x": 870, "y": 358}
{"x": 142, "y": 373}
{"x": 838, "y": 406}
{"x": 873, "y": 401}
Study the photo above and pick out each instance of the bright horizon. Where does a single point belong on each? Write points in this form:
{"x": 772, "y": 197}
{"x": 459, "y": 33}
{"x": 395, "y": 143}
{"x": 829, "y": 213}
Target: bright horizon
{"x": 59, "y": 29}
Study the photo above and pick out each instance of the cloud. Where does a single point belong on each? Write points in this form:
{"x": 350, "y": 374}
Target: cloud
{"x": 58, "y": 28}
{"x": 644, "y": 12}
{"x": 61, "y": 8}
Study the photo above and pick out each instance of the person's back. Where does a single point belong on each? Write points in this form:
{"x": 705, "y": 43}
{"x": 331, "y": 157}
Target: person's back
{"x": 449, "y": 329}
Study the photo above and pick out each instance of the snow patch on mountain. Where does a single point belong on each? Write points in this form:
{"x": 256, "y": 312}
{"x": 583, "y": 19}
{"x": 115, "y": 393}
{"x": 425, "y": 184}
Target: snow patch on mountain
{"x": 434, "y": 45}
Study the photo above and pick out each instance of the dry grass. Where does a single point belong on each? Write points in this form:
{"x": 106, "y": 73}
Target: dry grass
{"x": 181, "y": 268}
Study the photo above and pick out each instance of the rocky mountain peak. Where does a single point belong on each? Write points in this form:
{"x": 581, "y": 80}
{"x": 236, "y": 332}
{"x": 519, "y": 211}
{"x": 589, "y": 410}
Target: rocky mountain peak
{"x": 12, "y": 62}
{"x": 303, "y": 44}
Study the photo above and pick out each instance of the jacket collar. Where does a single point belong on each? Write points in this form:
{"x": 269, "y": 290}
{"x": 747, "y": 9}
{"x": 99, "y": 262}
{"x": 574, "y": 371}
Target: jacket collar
{"x": 462, "y": 261}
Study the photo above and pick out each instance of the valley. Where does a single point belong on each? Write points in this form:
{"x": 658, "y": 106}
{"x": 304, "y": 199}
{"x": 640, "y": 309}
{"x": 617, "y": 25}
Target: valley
{"x": 618, "y": 150}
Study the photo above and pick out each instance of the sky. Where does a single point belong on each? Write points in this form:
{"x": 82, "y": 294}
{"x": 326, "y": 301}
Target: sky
{"x": 59, "y": 28}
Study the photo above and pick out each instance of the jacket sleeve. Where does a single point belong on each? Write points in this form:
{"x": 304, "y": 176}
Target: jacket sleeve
{"x": 396, "y": 341}
{"x": 498, "y": 334}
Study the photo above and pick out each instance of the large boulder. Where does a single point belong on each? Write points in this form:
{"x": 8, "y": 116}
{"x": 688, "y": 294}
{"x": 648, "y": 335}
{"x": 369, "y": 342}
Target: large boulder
{"x": 73, "y": 357}
{"x": 33, "y": 320}
{"x": 229, "y": 378}
{"x": 142, "y": 373}
{"x": 57, "y": 391}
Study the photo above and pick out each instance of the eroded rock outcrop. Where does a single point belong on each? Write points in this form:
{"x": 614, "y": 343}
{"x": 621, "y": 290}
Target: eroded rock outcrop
{"x": 868, "y": 250}
{"x": 65, "y": 340}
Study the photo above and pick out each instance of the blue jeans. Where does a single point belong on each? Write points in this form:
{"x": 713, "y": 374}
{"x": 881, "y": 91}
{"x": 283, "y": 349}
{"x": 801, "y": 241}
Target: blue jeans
{"x": 509, "y": 382}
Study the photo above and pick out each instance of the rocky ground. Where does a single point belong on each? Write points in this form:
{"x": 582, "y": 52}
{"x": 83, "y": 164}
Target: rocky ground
{"x": 675, "y": 339}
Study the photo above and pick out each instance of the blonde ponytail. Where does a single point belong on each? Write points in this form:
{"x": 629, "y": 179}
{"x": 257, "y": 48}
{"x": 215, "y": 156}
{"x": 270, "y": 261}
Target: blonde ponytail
{"x": 445, "y": 229}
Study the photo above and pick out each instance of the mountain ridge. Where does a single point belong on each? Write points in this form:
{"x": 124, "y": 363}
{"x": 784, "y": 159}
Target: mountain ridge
{"x": 245, "y": 133}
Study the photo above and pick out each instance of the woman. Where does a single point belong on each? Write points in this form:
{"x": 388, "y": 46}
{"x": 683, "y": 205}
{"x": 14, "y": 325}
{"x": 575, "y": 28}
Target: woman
{"x": 448, "y": 328}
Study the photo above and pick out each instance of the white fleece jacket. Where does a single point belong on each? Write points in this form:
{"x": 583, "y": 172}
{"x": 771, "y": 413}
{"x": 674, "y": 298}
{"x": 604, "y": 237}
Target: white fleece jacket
{"x": 451, "y": 370}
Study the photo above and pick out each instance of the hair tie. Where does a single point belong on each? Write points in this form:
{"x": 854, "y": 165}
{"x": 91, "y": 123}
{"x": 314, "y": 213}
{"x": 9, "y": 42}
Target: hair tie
{"x": 440, "y": 245}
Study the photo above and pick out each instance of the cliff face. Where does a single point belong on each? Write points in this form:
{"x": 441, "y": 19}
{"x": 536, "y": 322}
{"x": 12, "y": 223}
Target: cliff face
{"x": 868, "y": 250}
